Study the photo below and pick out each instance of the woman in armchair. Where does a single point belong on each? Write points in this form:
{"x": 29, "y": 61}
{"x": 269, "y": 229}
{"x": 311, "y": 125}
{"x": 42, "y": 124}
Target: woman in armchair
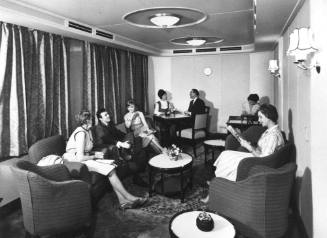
{"x": 78, "y": 149}
{"x": 135, "y": 121}
{"x": 272, "y": 139}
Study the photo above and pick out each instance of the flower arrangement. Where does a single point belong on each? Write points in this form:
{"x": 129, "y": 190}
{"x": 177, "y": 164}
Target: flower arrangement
{"x": 174, "y": 152}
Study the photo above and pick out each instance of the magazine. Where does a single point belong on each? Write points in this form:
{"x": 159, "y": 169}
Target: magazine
{"x": 235, "y": 133}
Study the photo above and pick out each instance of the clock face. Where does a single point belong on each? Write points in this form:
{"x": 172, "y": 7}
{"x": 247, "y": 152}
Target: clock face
{"x": 207, "y": 71}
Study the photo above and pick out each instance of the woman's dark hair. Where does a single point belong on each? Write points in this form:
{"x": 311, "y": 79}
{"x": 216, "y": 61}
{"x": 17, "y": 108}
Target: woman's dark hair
{"x": 269, "y": 111}
{"x": 195, "y": 91}
{"x": 82, "y": 117}
{"x": 130, "y": 102}
{"x": 253, "y": 97}
{"x": 161, "y": 92}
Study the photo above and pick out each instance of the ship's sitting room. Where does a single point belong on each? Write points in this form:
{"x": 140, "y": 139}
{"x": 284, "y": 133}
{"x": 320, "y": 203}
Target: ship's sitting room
{"x": 163, "y": 119}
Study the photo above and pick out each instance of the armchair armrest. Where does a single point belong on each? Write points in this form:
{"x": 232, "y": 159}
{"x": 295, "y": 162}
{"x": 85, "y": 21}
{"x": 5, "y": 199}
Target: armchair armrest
{"x": 78, "y": 170}
{"x": 56, "y": 172}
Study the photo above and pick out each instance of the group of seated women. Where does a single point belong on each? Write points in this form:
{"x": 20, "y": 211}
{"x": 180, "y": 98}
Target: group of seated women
{"x": 81, "y": 143}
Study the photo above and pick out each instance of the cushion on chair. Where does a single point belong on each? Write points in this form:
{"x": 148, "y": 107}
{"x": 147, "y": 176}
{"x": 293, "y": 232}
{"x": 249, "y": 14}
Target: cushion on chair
{"x": 187, "y": 133}
{"x": 54, "y": 145}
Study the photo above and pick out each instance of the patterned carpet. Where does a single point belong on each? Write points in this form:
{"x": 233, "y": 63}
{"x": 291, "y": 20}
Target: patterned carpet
{"x": 150, "y": 221}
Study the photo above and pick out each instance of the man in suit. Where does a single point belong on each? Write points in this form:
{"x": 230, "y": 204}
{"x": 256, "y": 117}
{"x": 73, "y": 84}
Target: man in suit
{"x": 196, "y": 105}
{"x": 124, "y": 148}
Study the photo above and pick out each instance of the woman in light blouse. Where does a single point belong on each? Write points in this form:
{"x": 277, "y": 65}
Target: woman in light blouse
{"x": 270, "y": 141}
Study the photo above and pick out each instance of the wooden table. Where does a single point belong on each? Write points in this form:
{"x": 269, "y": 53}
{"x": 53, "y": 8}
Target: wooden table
{"x": 168, "y": 123}
{"x": 164, "y": 165}
{"x": 183, "y": 225}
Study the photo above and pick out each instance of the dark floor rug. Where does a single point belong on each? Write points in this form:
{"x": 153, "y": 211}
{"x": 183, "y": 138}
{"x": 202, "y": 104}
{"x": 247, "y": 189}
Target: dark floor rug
{"x": 150, "y": 221}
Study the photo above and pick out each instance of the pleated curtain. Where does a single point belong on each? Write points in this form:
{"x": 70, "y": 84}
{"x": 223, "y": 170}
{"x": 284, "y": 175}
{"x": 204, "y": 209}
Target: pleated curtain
{"x": 33, "y": 88}
{"x": 111, "y": 77}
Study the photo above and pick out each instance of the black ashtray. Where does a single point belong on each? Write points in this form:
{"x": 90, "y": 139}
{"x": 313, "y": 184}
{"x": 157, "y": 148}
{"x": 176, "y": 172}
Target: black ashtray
{"x": 204, "y": 221}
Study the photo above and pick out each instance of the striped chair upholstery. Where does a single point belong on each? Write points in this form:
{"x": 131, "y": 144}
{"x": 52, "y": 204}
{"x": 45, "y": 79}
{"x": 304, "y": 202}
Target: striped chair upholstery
{"x": 257, "y": 205}
{"x": 52, "y": 202}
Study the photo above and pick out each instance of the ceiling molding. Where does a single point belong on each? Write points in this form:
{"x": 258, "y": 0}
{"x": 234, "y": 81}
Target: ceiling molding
{"x": 31, "y": 17}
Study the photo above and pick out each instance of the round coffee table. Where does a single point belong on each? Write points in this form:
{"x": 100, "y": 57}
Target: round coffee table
{"x": 183, "y": 225}
{"x": 212, "y": 144}
{"x": 164, "y": 165}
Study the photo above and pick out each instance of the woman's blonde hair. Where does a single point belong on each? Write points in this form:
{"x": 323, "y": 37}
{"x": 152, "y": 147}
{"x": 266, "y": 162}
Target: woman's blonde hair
{"x": 82, "y": 117}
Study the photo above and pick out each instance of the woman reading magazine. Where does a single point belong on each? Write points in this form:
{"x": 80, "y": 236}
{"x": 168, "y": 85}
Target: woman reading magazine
{"x": 227, "y": 162}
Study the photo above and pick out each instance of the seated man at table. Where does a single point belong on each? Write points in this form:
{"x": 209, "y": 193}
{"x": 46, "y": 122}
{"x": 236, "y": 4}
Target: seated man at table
{"x": 196, "y": 105}
{"x": 116, "y": 144}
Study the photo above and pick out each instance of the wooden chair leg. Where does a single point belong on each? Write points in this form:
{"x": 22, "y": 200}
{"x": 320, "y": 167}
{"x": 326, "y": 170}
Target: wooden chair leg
{"x": 194, "y": 150}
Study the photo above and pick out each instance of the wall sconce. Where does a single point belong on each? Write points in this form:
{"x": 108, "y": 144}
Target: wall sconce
{"x": 301, "y": 45}
{"x": 273, "y": 68}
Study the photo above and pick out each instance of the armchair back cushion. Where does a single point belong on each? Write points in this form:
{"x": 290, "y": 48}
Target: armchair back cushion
{"x": 54, "y": 145}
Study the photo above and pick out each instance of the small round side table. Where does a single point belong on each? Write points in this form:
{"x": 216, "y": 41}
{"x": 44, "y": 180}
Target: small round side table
{"x": 183, "y": 225}
{"x": 163, "y": 165}
{"x": 212, "y": 144}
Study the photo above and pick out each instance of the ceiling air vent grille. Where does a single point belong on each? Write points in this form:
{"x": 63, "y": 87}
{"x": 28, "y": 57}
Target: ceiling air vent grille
{"x": 231, "y": 48}
{"x": 79, "y": 27}
{"x": 205, "y": 50}
{"x": 182, "y": 51}
{"x": 104, "y": 34}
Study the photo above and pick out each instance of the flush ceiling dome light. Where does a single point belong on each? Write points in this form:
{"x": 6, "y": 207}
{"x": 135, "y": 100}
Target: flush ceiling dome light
{"x": 164, "y": 20}
{"x": 165, "y": 17}
{"x": 196, "y": 40}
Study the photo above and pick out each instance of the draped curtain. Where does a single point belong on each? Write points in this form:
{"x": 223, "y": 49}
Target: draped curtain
{"x": 33, "y": 88}
{"x": 111, "y": 77}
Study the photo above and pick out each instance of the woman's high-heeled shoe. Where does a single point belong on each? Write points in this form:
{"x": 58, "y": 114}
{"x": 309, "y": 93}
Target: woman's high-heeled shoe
{"x": 139, "y": 202}
{"x": 126, "y": 205}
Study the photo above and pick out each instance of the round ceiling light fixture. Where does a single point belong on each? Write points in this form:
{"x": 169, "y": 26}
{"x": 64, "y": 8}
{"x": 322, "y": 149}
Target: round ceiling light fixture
{"x": 165, "y": 17}
{"x": 196, "y": 40}
{"x": 164, "y": 20}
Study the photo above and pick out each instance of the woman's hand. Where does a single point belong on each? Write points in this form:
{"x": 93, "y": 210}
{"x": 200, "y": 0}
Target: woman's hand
{"x": 246, "y": 144}
{"x": 98, "y": 155}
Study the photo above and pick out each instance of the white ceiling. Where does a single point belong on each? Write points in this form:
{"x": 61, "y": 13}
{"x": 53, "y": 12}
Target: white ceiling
{"x": 232, "y": 20}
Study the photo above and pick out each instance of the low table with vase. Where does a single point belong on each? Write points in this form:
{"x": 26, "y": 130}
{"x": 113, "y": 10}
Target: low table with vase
{"x": 184, "y": 225}
{"x": 164, "y": 164}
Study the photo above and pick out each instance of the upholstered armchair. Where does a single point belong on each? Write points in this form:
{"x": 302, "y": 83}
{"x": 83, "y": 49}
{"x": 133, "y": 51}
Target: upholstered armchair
{"x": 55, "y": 145}
{"x": 258, "y": 204}
{"x": 52, "y": 202}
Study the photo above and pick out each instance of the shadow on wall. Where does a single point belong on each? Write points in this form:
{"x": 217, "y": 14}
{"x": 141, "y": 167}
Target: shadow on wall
{"x": 301, "y": 201}
{"x": 213, "y": 113}
{"x": 304, "y": 208}
{"x": 264, "y": 100}
{"x": 290, "y": 127}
